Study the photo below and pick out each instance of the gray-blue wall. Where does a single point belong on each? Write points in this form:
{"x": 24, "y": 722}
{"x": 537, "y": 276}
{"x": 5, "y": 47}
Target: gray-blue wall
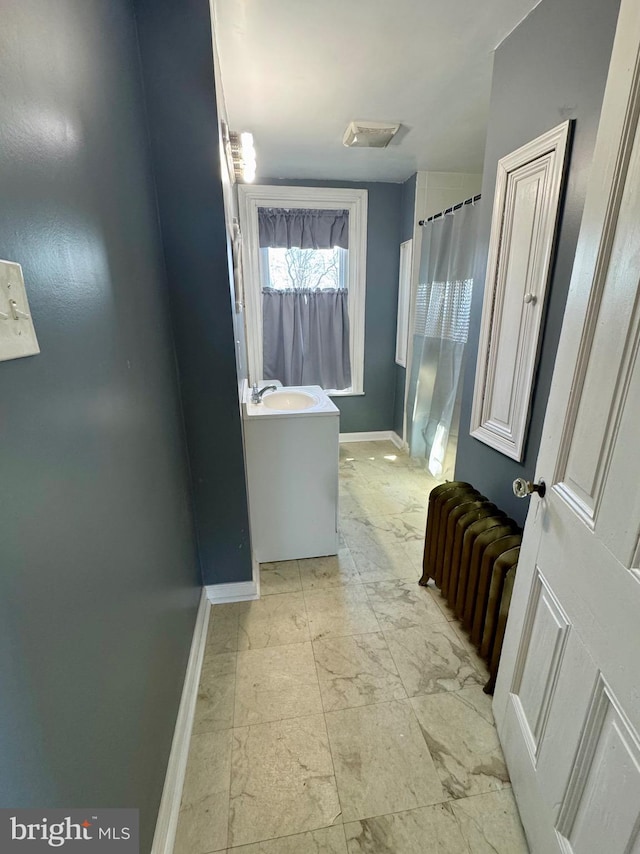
{"x": 177, "y": 64}
{"x": 99, "y": 575}
{"x": 407, "y": 215}
{"x": 375, "y": 409}
{"x": 553, "y": 67}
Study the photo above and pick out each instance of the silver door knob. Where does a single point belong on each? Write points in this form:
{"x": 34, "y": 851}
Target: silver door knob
{"x": 529, "y": 298}
{"x": 522, "y": 487}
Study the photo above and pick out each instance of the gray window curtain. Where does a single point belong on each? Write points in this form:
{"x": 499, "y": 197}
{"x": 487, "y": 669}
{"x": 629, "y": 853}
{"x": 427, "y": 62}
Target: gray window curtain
{"x": 441, "y": 312}
{"x": 305, "y": 330}
{"x": 306, "y": 337}
{"x": 284, "y": 228}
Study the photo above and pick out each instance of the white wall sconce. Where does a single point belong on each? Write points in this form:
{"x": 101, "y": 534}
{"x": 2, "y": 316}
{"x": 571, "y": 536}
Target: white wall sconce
{"x": 244, "y": 156}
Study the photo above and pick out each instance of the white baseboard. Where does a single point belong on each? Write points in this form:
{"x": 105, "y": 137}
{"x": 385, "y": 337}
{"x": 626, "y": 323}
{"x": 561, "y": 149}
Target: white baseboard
{"x": 167, "y": 821}
{"x": 240, "y": 591}
{"x": 399, "y": 442}
{"x": 376, "y": 436}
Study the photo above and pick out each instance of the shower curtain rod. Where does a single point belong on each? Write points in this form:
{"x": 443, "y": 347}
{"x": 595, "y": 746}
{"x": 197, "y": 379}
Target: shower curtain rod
{"x": 470, "y": 201}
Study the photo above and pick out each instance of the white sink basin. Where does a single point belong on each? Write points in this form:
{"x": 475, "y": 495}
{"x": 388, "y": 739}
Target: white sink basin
{"x": 289, "y": 401}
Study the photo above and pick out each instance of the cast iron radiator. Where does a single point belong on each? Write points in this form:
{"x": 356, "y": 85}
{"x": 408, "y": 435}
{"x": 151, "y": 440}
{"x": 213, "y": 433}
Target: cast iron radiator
{"x": 471, "y": 550}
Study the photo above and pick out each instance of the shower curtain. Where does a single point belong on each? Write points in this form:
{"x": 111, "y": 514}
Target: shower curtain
{"x": 441, "y": 324}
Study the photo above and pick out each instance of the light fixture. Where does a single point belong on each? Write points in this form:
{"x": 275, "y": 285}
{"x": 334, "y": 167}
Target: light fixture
{"x": 362, "y": 134}
{"x": 244, "y": 156}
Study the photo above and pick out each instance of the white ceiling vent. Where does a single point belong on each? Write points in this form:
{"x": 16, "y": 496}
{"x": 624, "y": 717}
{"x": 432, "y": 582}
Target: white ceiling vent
{"x": 361, "y": 134}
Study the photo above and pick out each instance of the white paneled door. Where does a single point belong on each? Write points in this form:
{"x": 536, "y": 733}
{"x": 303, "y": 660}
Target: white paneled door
{"x": 567, "y": 701}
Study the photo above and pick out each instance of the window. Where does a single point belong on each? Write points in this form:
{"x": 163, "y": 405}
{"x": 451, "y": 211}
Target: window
{"x": 282, "y": 269}
{"x": 282, "y": 277}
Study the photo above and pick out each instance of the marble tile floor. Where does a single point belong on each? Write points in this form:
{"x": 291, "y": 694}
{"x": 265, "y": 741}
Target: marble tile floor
{"x": 343, "y": 713}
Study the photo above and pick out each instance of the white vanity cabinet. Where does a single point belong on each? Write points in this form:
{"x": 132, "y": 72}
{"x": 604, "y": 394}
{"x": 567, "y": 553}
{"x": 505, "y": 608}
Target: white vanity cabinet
{"x": 292, "y": 477}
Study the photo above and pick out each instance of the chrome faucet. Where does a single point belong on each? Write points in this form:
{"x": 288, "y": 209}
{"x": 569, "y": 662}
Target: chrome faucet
{"x": 256, "y": 394}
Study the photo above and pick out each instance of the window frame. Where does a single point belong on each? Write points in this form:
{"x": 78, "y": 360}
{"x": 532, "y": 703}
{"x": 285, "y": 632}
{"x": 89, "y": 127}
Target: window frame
{"x": 250, "y": 198}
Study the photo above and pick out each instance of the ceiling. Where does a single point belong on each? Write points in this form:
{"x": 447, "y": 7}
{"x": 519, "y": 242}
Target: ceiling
{"x": 296, "y": 72}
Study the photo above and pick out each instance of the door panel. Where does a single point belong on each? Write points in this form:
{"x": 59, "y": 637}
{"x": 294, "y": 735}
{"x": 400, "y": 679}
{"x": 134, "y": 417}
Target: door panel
{"x": 511, "y": 312}
{"x": 567, "y": 699}
{"x": 606, "y": 375}
{"x": 542, "y": 646}
{"x": 618, "y": 512}
{"x": 600, "y": 807}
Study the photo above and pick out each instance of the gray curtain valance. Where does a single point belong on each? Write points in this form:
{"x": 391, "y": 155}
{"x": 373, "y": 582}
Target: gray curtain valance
{"x": 285, "y": 228}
